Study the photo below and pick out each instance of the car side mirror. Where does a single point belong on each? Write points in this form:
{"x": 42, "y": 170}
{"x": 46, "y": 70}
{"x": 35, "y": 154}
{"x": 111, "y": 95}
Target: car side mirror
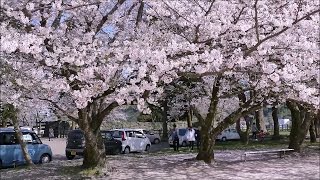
{"x": 151, "y": 133}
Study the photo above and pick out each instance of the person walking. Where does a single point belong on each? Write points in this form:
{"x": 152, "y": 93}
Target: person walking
{"x": 198, "y": 138}
{"x": 51, "y": 133}
{"x": 254, "y": 131}
{"x": 175, "y": 138}
{"x": 191, "y": 137}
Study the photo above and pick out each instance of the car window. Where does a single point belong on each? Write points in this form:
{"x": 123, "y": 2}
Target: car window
{"x": 35, "y": 139}
{"x": 182, "y": 132}
{"x": 117, "y": 134}
{"x": 107, "y": 135}
{"x": 138, "y": 134}
{"x": 234, "y": 131}
{"x": 146, "y": 132}
{"x": 129, "y": 133}
{"x": 75, "y": 135}
{"x": 27, "y": 138}
{"x": 8, "y": 139}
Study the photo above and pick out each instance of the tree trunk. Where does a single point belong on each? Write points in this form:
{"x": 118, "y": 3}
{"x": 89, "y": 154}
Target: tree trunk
{"x": 23, "y": 145}
{"x": 313, "y": 138}
{"x": 165, "y": 121}
{"x": 276, "y": 132}
{"x": 207, "y": 137}
{"x": 3, "y": 122}
{"x": 206, "y": 146}
{"x": 301, "y": 119}
{"x": 317, "y": 124}
{"x": 94, "y": 153}
{"x": 189, "y": 119}
{"x": 261, "y": 125}
{"x": 244, "y": 135}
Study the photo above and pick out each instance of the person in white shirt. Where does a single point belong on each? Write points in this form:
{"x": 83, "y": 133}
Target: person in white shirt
{"x": 191, "y": 137}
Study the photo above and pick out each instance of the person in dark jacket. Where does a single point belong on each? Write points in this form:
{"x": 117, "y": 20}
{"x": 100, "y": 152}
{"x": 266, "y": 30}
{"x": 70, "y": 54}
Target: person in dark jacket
{"x": 175, "y": 138}
{"x": 198, "y": 138}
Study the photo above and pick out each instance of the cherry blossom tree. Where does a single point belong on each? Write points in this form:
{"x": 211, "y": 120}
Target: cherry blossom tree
{"x": 59, "y": 53}
{"x": 88, "y": 57}
{"x": 267, "y": 49}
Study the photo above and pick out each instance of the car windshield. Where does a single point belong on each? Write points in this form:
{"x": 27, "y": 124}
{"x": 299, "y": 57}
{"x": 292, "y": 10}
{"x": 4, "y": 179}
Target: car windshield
{"x": 75, "y": 135}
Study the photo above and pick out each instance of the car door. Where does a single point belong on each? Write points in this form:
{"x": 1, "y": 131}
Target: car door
{"x": 33, "y": 148}
{"x": 8, "y": 144}
{"x": 235, "y": 134}
{"x": 131, "y": 140}
{"x": 140, "y": 141}
{"x": 28, "y": 139}
{"x": 109, "y": 141}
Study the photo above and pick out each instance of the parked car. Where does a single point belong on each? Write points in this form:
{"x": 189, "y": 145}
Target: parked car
{"x": 132, "y": 140}
{"x": 228, "y": 134}
{"x": 182, "y": 132}
{"x": 11, "y": 152}
{"x": 112, "y": 145}
{"x": 154, "y": 138}
{"x": 76, "y": 143}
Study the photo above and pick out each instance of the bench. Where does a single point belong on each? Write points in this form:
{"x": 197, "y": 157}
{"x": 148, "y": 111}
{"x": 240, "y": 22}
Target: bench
{"x": 281, "y": 152}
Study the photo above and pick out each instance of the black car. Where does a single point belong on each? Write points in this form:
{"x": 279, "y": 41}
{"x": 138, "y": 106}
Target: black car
{"x": 76, "y": 143}
{"x": 112, "y": 145}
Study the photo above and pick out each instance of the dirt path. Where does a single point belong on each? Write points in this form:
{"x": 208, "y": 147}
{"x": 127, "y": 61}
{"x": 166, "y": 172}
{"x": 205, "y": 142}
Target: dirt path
{"x": 228, "y": 165}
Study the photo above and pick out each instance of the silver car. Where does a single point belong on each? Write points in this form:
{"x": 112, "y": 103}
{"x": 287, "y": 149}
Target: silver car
{"x": 154, "y": 138}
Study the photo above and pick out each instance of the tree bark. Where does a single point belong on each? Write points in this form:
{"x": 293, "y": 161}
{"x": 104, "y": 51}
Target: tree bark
{"x": 207, "y": 136}
{"x": 317, "y": 124}
{"x": 301, "y": 119}
{"x": 94, "y": 152}
{"x": 244, "y": 135}
{"x": 206, "y": 146}
{"x": 261, "y": 125}
{"x": 312, "y": 133}
{"x": 208, "y": 132}
{"x": 23, "y": 145}
{"x": 189, "y": 118}
{"x": 276, "y": 130}
{"x": 89, "y": 120}
{"x": 164, "y": 121}
{"x": 3, "y": 122}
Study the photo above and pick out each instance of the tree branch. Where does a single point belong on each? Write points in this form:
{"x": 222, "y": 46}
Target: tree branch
{"x": 256, "y": 24}
{"x": 105, "y": 18}
{"x": 253, "y": 48}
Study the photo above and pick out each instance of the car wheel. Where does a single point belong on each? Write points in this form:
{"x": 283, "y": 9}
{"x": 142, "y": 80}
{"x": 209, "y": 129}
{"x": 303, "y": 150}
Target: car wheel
{"x": 147, "y": 148}
{"x": 224, "y": 139}
{"x": 126, "y": 150}
{"x": 45, "y": 158}
{"x": 156, "y": 141}
{"x": 69, "y": 156}
{"x": 184, "y": 143}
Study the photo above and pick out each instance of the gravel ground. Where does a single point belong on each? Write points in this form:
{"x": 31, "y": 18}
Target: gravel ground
{"x": 228, "y": 165}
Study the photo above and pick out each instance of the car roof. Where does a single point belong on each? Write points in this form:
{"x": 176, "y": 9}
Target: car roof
{"x": 125, "y": 129}
{"x": 12, "y": 130}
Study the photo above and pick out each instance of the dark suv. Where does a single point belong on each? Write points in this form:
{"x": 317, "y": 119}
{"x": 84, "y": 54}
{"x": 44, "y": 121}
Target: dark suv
{"x": 76, "y": 143}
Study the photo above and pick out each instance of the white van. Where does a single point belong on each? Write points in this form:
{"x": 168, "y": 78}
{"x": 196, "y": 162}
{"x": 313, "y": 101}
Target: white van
{"x": 182, "y": 132}
{"x": 228, "y": 134}
{"x": 132, "y": 140}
